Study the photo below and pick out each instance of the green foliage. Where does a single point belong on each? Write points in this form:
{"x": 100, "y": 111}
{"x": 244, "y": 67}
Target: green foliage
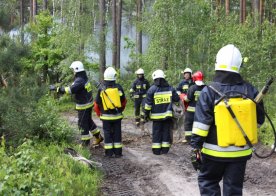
{"x": 46, "y": 56}
{"x": 26, "y": 172}
{"x": 24, "y": 113}
{"x": 265, "y": 133}
{"x": 189, "y": 33}
{"x": 10, "y": 58}
{"x": 8, "y": 14}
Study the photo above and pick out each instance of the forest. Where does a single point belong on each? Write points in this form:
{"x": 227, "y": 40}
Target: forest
{"x": 39, "y": 39}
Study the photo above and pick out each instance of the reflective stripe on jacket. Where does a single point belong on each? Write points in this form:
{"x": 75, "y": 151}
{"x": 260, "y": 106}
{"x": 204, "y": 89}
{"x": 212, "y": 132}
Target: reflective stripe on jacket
{"x": 193, "y": 94}
{"x": 139, "y": 88}
{"x": 111, "y": 114}
{"x": 183, "y": 86}
{"x": 159, "y": 102}
{"x": 82, "y": 90}
{"x": 204, "y": 133}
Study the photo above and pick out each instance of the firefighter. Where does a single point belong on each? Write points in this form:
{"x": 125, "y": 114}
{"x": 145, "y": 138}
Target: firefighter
{"x": 109, "y": 104}
{"x": 215, "y": 159}
{"x": 187, "y": 81}
{"x": 82, "y": 90}
{"x": 158, "y": 108}
{"x": 182, "y": 90}
{"x": 191, "y": 98}
{"x": 138, "y": 93}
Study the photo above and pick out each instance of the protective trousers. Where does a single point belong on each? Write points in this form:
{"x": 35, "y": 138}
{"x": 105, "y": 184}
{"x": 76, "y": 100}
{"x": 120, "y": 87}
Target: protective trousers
{"x": 86, "y": 124}
{"x": 161, "y": 139}
{"x": 112, "y": 137}
{"x": 188, "y": 125}
{"x": 212, "y": 172}
{"x": 137, "y": 106}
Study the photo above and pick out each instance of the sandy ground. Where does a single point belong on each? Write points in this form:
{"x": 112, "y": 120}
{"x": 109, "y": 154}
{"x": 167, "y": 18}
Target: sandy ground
{"x": 139, "y": 172}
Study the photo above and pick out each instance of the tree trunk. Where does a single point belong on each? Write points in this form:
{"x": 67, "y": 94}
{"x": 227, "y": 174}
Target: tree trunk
{"x": 218, "y": 6}
{"x": 22, "y": 21}
{"x": 31, "y": 10}
{"x": 54, "y": 8}
{"x": 255, "y": 10}
{"x": 119, "y": 26}
{"x": 242, "y": 10}
{"x": 138, "y": 31}
{"x": 81, "y": 46}
{"x": 255, "y": 6}
{"x": 261, "y": 11}
{"x": 227, "y": 7}
{"x": 34, "y": 9}
{"x": 114, "y": 25}
{"x": 45, "y": 4}
{"x": 4, "y": 83}
{"x": 102, "y": 43}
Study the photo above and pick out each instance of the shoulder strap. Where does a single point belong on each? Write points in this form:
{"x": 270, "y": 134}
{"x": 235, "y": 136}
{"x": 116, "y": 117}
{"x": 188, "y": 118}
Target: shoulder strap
{"x": 222, "y": 95}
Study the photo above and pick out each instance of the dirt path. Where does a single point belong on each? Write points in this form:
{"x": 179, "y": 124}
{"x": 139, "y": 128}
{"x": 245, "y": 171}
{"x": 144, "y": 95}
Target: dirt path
{"x": 141, "y": 173}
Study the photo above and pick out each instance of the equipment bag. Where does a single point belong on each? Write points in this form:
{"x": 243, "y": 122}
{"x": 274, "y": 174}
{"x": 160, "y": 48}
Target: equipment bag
{"x": 228, "y": 133}
{"x": 111, "y": 98}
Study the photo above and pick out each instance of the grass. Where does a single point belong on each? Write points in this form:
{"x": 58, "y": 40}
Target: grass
{"x": 44, "y": 169}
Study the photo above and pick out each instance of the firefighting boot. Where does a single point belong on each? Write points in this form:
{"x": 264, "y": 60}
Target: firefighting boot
{"x": 184, "y": 141}
{"x": 98, "y": 139}
{"x": 85, "y": 143}
{"x": 137, "y": 121}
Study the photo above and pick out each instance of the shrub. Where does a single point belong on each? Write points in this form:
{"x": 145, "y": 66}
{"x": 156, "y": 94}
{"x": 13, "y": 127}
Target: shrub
{"x": 38, "y": 169}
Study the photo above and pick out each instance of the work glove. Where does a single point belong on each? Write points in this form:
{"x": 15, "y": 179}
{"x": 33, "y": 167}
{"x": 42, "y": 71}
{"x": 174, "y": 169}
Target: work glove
{"x": 60, "y": 90}
{"x": 146, "y": 117}
{"x": 52, "y": 87}
{"x": 131, "y": 96}
{"x": 97, "y": 109}
{"x": 196, "y": 159}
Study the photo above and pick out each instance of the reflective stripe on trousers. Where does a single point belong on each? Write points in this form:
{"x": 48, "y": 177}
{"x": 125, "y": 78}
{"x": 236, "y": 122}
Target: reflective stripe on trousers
{"x": 108, "y": 146}
{"x": 226, "y": 152}
{"x": 86, "y": 137}
{"x": 111, "y": 116}
{"x": 157, "y": 116}
{"x": 84, "y": 106}
{"x": 95, "y": 131}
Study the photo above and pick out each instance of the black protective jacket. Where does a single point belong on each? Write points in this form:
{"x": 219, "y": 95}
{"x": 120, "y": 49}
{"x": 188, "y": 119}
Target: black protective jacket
{"x": 139, "y": 87}
{"x": 184, "y": 85}
{"x": 192, "y": 96}
{"x": 110, "y": 114}
{"x": 159, "y": 100}
{"x": 82, "y": 90}
{"x": 204, "y": 135}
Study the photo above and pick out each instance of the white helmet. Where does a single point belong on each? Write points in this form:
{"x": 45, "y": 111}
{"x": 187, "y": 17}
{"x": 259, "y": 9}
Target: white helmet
{"x": 229, "y": 58}
{"x": 140, "y": 71}
{"x": 110, "y": 74}
{"x": 187, "y": 70}
{"x": 77, "y": 66}
{"x": 158, "y": 74}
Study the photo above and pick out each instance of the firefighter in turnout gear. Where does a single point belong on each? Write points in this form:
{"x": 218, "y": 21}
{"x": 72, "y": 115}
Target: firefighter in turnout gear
{"x": 82, "y": 90}
{"x": 191, "y": 98}
{"x": 187, "y": 81}
{"x": 158, "y": 107}
{"x": 138, "y": 93}
{"x": 182, "y": 90}
{"x": 109, "y": 104}
{"x": 220, "y": 148}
